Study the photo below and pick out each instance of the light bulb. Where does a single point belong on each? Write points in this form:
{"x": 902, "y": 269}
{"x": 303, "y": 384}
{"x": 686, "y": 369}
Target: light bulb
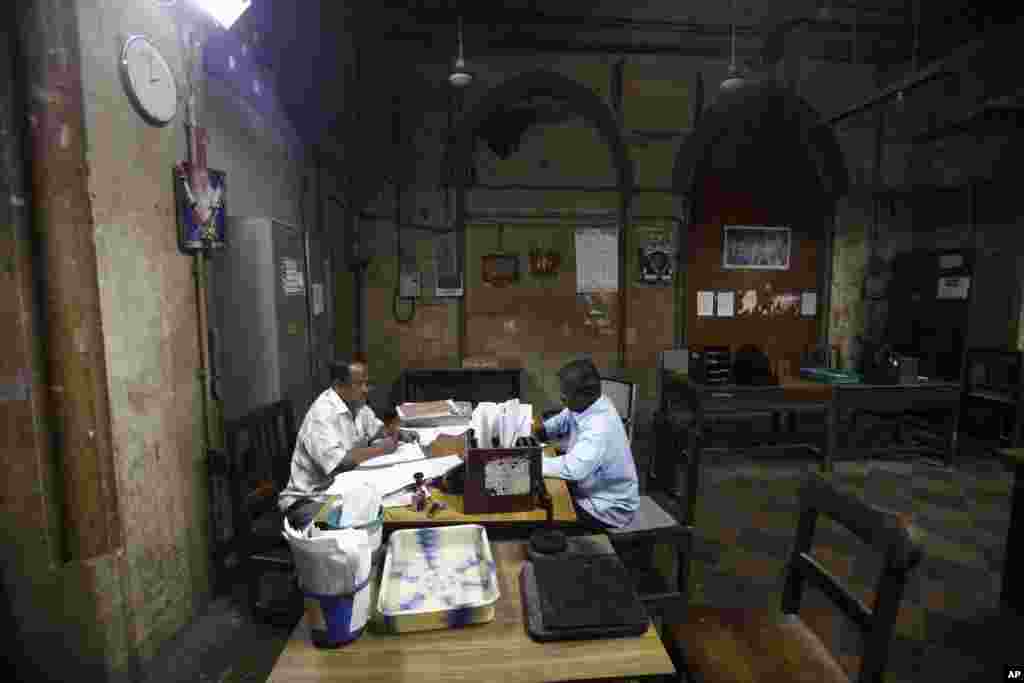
{"x": 459, "y": 77}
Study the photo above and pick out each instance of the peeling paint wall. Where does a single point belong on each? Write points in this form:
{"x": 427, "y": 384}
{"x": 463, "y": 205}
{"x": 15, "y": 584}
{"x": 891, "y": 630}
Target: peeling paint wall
{"x": 150, "y": 326}
{"x": 149, "y": 309}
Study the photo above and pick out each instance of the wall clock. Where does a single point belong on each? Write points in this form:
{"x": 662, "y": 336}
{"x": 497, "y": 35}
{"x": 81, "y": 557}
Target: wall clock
{"x": 149, "y": 81}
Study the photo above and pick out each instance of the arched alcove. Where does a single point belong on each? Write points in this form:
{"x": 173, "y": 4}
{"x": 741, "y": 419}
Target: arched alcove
{"x": 581, "y": 101}
{"x": 760, "y": 156}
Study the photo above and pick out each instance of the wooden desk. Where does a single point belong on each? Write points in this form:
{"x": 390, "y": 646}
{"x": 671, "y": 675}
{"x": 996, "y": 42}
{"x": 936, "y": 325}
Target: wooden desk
{"x": 1011, "y": 594}
{"x": 897, "y": 399}
{"x": 834, "y": 400}
{"x": 500, "y": 650}
{"x": 408, "y": 517}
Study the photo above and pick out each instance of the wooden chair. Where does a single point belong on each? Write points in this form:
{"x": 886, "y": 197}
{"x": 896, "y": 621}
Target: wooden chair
{"x": 258, "y": 458}
{"x": 622, "y": 394}
{"x": 662, "y": 594}
{"x": 748, "y": 646}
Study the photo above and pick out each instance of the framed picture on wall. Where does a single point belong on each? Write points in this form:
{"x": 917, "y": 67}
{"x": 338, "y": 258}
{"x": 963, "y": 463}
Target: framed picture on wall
{"x": 200, "y": 196}
{"x": 756, "y": 247}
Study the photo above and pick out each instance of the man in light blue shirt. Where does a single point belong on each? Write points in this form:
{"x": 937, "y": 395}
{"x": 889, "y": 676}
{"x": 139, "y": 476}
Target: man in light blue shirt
{"x": 599, "y": 463}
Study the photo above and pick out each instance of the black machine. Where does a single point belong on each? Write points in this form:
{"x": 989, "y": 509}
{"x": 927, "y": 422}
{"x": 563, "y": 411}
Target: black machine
{"x": 711, "y": 365}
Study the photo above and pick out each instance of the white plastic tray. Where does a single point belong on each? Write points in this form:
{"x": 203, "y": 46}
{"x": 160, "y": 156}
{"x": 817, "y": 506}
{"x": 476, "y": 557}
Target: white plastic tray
{"x": 435, "y": 578}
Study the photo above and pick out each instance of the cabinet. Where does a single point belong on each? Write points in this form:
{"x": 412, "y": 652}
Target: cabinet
{"x": 993, "y": 397}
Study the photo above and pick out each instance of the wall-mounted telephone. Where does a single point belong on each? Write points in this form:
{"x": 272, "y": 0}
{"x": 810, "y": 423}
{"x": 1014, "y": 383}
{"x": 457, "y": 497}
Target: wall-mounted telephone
{"x": 409, "y": 285}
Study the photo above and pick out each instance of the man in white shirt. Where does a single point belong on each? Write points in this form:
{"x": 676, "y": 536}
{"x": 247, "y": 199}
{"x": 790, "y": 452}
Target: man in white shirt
{"x": 599, "y": 463}
{"x": 339, "y": 432}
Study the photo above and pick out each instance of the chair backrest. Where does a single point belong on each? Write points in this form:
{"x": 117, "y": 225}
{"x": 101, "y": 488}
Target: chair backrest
{"x": 623, "y": 397}
{"x": 260, "y": 445}
{"x": 888, "y": 533}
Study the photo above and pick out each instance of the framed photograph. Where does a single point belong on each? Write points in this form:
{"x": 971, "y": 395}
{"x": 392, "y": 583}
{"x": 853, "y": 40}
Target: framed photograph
{"x": 200, "y": 196}
{"x": 756, "y": 248}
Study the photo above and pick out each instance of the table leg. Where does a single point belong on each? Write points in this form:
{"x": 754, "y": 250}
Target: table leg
{"x": 953, "y": 450}
{"x": 831, "y": 427}
{"x": 693, "y": 453}
{"x": 1013, "y": 562}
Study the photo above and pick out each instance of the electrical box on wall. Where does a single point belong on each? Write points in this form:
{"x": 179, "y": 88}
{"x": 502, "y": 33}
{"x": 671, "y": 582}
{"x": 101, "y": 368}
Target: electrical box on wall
{"x": 409, "y": 285}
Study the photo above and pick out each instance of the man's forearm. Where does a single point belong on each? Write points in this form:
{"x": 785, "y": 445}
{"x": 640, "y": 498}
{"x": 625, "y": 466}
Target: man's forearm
{"x": 358, "y": 456}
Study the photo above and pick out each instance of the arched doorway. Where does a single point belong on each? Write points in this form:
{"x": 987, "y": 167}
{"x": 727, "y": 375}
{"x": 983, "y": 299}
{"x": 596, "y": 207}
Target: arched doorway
{"x": 583, "y": 102}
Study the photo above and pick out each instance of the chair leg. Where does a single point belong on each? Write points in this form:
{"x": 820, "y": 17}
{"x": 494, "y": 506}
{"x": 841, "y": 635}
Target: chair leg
{"x": 252, "y": 577}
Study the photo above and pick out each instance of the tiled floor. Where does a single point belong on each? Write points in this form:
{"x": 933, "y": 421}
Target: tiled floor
{"x": 946, "y": 631}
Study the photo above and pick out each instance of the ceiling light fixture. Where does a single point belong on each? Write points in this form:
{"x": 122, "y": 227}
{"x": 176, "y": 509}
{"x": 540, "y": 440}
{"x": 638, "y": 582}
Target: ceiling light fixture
{"x": 225, "y": 12}
{"x": 735, "y": 78}
{"x": 460, "y": 77}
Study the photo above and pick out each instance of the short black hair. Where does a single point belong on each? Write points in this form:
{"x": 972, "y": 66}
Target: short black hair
{"x": 582, "y": 377}
{"x": 385, "y": 410}
{"x": 341, "y": 370}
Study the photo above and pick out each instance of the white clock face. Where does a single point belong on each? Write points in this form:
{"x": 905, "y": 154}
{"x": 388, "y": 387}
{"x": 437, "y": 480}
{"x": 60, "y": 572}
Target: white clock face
{"x": 149, "y": 80}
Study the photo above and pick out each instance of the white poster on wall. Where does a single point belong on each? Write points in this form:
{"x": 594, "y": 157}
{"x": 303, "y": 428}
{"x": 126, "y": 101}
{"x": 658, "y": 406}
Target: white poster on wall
{"x": 292, "y": 281}
{"x": 597, "y": 260}
{"x": 725, "y": 302}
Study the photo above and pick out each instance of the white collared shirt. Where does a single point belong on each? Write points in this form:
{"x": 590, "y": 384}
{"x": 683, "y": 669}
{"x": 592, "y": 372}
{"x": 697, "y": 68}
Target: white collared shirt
{"x": 599, "y": 460}
{"x": 327, "y": 434}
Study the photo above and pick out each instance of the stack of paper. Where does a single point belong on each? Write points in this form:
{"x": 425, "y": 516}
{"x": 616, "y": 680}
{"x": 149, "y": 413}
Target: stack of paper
{"x": 410, "y": 412}
{"x": 390, "y": 479}
{"x": 406, "y": 452}
{"x": 506, "y": 421}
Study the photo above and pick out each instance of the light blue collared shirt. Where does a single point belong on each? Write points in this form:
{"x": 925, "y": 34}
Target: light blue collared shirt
{"x": 599, "y": 460}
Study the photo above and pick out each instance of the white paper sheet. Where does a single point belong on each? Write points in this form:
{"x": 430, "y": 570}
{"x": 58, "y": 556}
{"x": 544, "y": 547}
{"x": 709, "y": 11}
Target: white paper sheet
{"x": 597, "y": 260}
{"x": 809, "y": 303}
{"x": 406, "y": 452}
{"x": 399, "y": 499}
{"x": 508, "y": 421}
{"x": 748, "y": 305}
{"x": 390, "y": 479}
{"x": 726, "y": 302}
{"x": 705, "y": 304}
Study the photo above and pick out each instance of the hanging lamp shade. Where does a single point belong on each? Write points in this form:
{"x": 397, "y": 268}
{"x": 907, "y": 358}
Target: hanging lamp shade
{"x": 734, "y": 79}
{"x": 460, "y": 76}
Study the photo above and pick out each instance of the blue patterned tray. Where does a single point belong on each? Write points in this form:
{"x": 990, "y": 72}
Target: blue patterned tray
{"x": 436, "y": 578}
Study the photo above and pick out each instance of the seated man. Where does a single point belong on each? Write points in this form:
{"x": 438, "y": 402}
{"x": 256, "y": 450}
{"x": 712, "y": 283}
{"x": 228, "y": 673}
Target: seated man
{"x": 339, "y": 432}
{"x": 599, "y": 463}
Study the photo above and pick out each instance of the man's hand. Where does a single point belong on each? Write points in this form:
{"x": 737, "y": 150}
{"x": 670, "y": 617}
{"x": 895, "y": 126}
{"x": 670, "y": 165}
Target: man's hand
{"x": 389, "y": 444}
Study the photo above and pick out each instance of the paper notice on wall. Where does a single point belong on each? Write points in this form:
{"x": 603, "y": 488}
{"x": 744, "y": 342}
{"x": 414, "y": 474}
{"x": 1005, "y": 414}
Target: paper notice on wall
{"x": 705, "y": 304}
{"x": 318, "y": 298}
{"x": 726, "y": 303}
{"x": 292, "y": 280}
{"x": 809, "y": 303}
{"x": 597, "y": 260}
{"x": 748, "y": 304}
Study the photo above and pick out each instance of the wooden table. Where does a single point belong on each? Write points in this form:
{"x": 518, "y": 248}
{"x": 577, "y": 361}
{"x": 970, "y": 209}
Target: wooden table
{"x": 1011, "y": 596}
{"x": 408, "y": 517}
{"x": 500, "y": 650}
{"x": 834, "y": 400}
{"x": 897, "y": 399}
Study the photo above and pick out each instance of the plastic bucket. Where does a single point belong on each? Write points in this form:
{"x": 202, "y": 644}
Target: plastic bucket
{"x": 331, "y": 617}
